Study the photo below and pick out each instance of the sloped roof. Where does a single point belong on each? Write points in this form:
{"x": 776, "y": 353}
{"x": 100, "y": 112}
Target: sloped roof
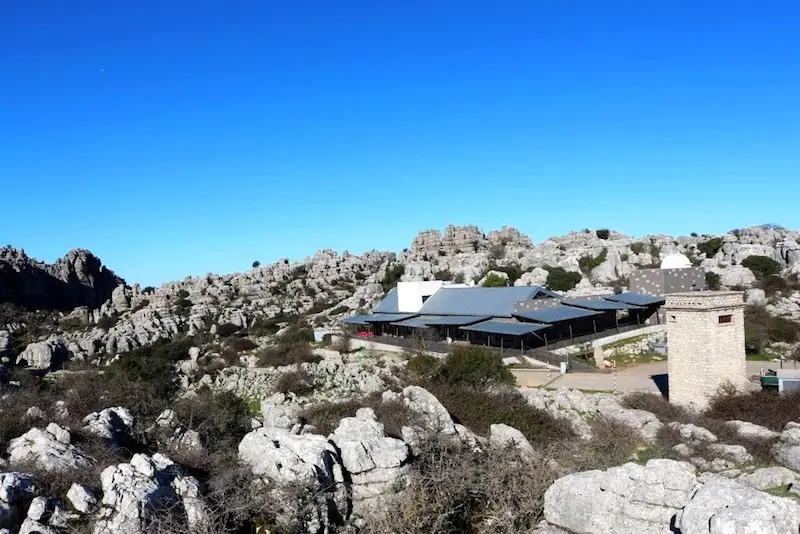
{"x": 388, "y": 317}
{"x": 416, "y": 322}
{"x": 601, "y": 304}
{"x": 509, "y": 328}
{"x": 357, "y": 319}
{"x": 556, "y": 314}
{"x": 485, "y": 301}
{"x": 639, "y": 299}
{"x": 458, "y": 320}
{"x": 388, "y": 304}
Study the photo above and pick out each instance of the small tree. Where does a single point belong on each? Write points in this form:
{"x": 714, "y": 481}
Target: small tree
{"x": 762, "y": 266}
{"x": 559, "y": 279}
{"x": 476, "y": 367}
{"x": 713, "y": 281}
{"x": 256, "y": 264}
{"x": 603, "y": 233}
{"x": 710, "y": 247}
{"x": 495, "y": 280}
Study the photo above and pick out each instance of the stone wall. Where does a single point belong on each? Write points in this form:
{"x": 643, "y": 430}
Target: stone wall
{"x": 705, "y": 351}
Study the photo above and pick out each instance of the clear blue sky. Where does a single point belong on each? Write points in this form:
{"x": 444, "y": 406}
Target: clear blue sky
{"x": 184, "y": 137}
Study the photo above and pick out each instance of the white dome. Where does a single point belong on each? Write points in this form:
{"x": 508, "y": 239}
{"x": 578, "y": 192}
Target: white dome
{"x": 675, "y": 261}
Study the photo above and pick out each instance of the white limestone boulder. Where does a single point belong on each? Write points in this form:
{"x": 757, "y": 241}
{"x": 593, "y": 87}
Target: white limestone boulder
{"x": 49, "y": 448}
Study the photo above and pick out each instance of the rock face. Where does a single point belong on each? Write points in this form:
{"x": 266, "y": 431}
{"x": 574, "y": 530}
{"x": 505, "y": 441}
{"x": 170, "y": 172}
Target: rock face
{"x": 112, "y": 423}
{"x": 50, "y": 449}
{"x": 628, "y": 498}
{"x": 787, "y": 449}
{"x": 133, "y": 491}
{"x": 43, "y": 355}
{"x": 308, "y": 460}
{"x": 375, "y": 463}
{"x": 77, "y": 279}
{"x": 722, "y": 506}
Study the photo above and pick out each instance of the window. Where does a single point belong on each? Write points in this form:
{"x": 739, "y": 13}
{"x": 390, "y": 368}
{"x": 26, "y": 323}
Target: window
{"x": 725, "y": 319}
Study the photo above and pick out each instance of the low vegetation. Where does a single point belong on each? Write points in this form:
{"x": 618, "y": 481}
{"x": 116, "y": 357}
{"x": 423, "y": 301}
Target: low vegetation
{"x": 603, "y": 233}
{"x": 287, "y": 354}
{"x": 392, "y": 276}
{"x": 713, "y": 281}
{"x": 762, "y": 328}
{"x": 298, "y": 382}
{"x": 710, "y": 247}
{"x": 495, "y": 280}
{"x": 559, "y": 279}
{"x": 588, "y": 263}
{"x": 762, "y": 266}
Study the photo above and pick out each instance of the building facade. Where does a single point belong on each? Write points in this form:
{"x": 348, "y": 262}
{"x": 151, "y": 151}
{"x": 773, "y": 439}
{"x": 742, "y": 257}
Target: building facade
{"x": 705, "y": 343}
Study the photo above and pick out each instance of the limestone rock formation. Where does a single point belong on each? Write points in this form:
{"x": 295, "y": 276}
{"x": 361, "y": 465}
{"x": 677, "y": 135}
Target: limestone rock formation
{"x": 628, "y": 498}
{"x": 49, "y": 448}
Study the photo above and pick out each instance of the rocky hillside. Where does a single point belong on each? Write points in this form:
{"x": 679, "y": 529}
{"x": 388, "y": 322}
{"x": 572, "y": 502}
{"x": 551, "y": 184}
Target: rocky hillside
{"x": 107, "y": 317}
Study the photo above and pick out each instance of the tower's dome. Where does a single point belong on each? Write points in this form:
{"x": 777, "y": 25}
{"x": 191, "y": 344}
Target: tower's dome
{"x": 675, "y": 261}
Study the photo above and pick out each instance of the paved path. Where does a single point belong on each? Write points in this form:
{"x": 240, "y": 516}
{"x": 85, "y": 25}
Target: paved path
{"x": 644, "y": 377}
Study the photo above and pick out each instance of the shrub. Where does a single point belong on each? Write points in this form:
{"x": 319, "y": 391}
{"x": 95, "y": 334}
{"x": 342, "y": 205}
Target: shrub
{"x": 326, "y": 340}
{"x": 256, "y": 264}
{"x": 602, "y": 233}
{"x": 559, "y": 279}
{"x": 762, "y": 328}
{"x": 423, "y": 367}
{"x": 443, "y": 275}
{"x": 392, "y": 276}
{"x": 762, "y": 266}
{"x": 478, "y": 410}
{"x": 512, "y": 270}
{"x": 693, "y": 234}
{"x": 222, "y": 419}
{"x": 495, "y": 280}
{"x": 227, "y": 329}
{"x": 343, "y": 344}
{"x": 475, "y": 367}
{"x": 298, "y": 332}
{"x": 612, "y": 444}
{"x": 710, "y": 247}
{"x": 69, "y": 324}
{"x": 452, "y": 488}
{"x": 459, "y": 278}
{"x": 107, "y": 321}
{"x": 241, "y": 344}
{"x": 765, "y": 408}
{"x": 298, "y": 382}
{"x": 657, "y": 404}
{"x": 774, "y": 284}
{"x": 287, "y": 354}
{"x": 325, "y": 417}
{"x": 713, "y": 281}
{"x": 587, "y": 263}
{"x": 637, "y": 248}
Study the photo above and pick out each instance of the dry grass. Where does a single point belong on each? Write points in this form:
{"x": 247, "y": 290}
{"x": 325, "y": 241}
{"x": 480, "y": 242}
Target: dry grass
{"x": 454, "y": 489}
{"x": 326, "y": 417}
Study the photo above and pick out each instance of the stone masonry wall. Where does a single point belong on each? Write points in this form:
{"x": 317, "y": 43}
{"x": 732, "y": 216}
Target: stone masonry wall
{"x": 703, "y": 353}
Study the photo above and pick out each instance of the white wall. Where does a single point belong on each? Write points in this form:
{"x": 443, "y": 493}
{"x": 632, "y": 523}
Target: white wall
{"x": 409, "y": 294}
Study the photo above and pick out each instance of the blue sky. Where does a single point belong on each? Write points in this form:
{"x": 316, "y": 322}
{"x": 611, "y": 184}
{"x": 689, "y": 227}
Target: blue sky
{"x": 178, "y": 138}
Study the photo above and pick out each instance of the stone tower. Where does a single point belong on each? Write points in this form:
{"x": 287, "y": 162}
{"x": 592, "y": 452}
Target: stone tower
{"x": 705, "y": 343}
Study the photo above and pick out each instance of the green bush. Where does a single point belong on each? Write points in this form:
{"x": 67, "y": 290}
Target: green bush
{"x": 495, "y": 280}
{"x": 443, "y": 275}
{"x": 602, "y": 233}
{"x": 475, "y": 367}
{"x": 587, "y": 263}
{"x": 637, "y": 248}
{"x": 325, "y": 417}
{"x": 559, "y": 279}
{"x": 222, "y": 419}
{"x": 710, "y": 247}
{"x": 764, "y": 408}
{"x": 459, "y": 278}
{"x": 107, "y": 321}
{"x": 774, "y": 284}
{"x": 227, "y": 329}
{"x": 298, "y": 382}
{"x": 392, "y": 276}
{"x": 478, "y": 410}
{"x": 423, "y": 367}
{"x": 343, "y": 344}
{"x": 256, "y": 264}
{"x": 713, "y": 281}
{"x": 241, "y": 344}
{"x": 298, "y": 332}
{"x": 761, "y": 328}
{"x": 287, "y": 354}
{"x": 762, "y": 266}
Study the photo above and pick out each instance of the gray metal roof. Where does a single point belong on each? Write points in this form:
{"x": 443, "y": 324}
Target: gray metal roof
{"x": 357, "y": 319}
{"x": 556, "y": 314}
{"x": 601, "y": 304}
{"x": 509, "y": 328}
{"x": 639, "y": 299}
{"x": 416, "y": 322}
{"x": 458, "y": 320}
{"x": 388, "y": 304}
{"x": 488, "y": 301}
{"x": 388, "y": 317}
